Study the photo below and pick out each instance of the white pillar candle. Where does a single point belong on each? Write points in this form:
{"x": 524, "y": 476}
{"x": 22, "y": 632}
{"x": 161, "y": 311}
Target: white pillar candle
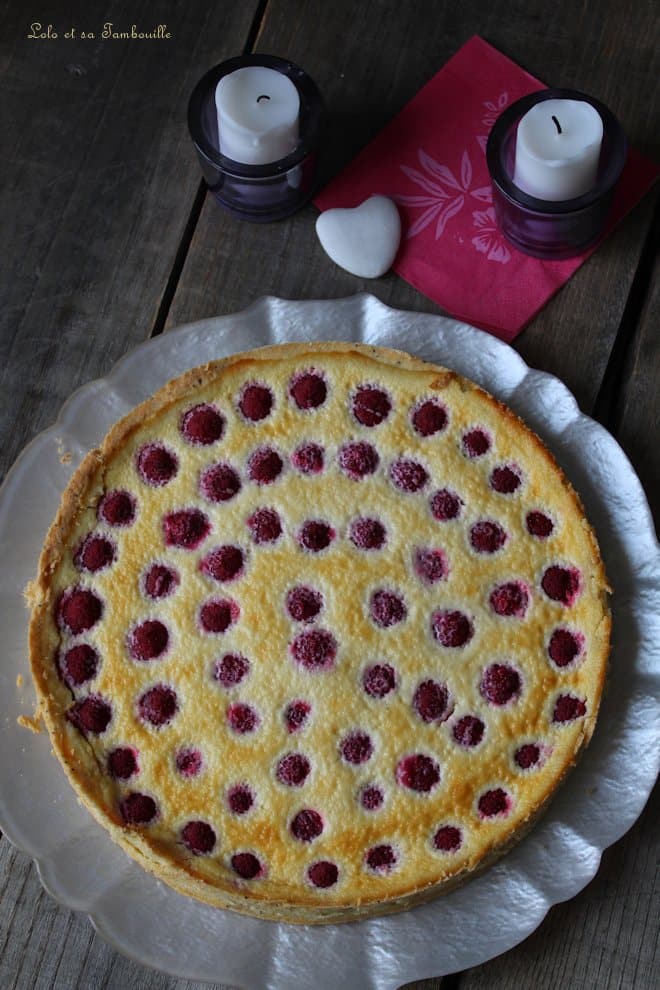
{"x": 258, "y": 110}
{"x": 557, "y": 149}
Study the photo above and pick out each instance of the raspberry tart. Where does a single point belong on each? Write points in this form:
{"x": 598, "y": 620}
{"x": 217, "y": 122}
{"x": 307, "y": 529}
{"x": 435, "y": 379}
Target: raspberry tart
{"x": 318, "y": 631}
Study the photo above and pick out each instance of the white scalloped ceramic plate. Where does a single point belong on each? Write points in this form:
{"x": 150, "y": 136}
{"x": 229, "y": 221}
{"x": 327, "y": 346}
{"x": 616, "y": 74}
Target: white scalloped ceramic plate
{"x": 82, "y": 868}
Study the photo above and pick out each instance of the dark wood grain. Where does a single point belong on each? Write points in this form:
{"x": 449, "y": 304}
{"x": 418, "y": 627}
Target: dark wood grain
{"x": 99, "y": 177}
{"x": 637, "y": 412}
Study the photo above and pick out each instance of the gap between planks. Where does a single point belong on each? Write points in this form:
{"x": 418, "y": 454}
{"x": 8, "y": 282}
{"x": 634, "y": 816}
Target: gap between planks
{"x": 607, "y": 407}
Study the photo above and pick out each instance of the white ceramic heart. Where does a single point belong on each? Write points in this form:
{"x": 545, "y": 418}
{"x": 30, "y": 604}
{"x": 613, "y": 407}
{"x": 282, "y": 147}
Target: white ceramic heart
{"x": 365, "y": 239}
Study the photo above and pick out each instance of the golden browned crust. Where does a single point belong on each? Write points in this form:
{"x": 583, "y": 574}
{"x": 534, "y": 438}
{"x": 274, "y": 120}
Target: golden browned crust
{"x": 79, "y": 756}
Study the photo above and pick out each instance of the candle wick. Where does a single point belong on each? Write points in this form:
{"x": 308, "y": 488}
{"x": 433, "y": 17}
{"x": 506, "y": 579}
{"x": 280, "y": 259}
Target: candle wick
{"x": 262, "y": 97}
{"x": 557, "y": 124}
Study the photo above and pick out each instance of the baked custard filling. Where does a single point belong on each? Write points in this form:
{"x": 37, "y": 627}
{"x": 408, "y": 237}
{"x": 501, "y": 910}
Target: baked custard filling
{"x": 318, "y": 630}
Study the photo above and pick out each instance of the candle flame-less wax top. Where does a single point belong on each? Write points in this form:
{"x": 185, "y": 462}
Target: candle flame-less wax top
{"x": 258, "y": 110}
{"x": 557, "y": 149}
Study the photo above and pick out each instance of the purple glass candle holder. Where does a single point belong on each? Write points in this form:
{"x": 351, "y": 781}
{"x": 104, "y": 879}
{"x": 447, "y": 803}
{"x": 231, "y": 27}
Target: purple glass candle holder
{"x": 260, "y": 193}
{"x": 544, "y": 228}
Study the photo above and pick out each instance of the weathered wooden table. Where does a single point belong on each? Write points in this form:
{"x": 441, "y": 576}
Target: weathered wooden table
{"x": 109, "y": 237}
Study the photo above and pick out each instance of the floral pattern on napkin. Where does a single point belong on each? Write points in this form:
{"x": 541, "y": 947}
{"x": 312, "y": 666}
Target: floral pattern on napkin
{"x": 431, "y": 160}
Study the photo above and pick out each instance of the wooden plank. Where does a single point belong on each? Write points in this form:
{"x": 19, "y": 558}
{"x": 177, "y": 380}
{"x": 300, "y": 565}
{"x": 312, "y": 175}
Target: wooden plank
{"x": 581, "y": 322}
{"x": 99, "y": 177}
{"x": 367, "y": 72}
{"x": 637, "y": 417}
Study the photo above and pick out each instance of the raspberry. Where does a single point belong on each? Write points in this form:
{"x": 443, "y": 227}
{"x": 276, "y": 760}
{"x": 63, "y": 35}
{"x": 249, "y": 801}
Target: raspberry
{"x": 155, "y": 464}
{"x": 371, "y": 797}
{"x": 265, "y": 526}
{"x": 469, "y": 730}
{"x": 160, "y": 581}
{"x": 123, "y": 762}
{"x": 264, "y": 465}
{"x": 510, "y": 599}
{"x": 223, "y": 563}
{"x": 242, "y": 718}
{"x": 408, "y": 476}
{"x": 91, "y": 714}
{"x": 231, "y": 669}
{"x": 316, "y": 535}
{"x": 296, "y": 715}
{"x": 371, "y": 406}
{"x": 505, "y": 479}
{"x": 80, "y": 664}
{"x": 303, "y": 604}
{"x": 431, "y": 565}
{"x": 308, "y": 458}
{"x": 432, "y": 702}
{"x": 494, "y": 803}
{"x": 475, "y": 443}
{"x": 356, "y": 748}
{"x": 307, "y": 825}
{"x": 202, "y": 425}
{"x": 527, "y": 756}
{"x": 218, "y": 614}
{"x": 446, "y": 505}
{"x": 308, "y": 390}
{"x": 561, "y": 584}
{"x": 451, "y": 628}
{"x": 138, "y": 809}
{"x": 418, "y": 772}
{"x": 185, "y": 528}
{"x": 367, "y": 534}
{"x": 78, "y": 609}
{"x": 117, "y": 508}
{"x": 568, "y": 708}
{"x": 500, "y": 684}
{"x": 323, "y": 874}
{"x": 293, "y": 769}
{"x": 379, "y": 680}
{"x": 198, "y": 837}
{"x": 448, "y": 838}
{"x": 358, "y": 459}
{"x": 246, "y": 865}
{"x": 256, "y": 402}
{"x": 158, "y": 705}
{"x": 381, "y": 859}
{"x": 539, "y": 525}
{"x": 148, "y": 641}
{"x": 219, "y": 483}
{"x": 314, "y": 649}
{"x": 428, "y": 418}
{"x": 240, "y": 799}
{"x": 189, "y": 762}
{"x": 487, "y": 537}
{"x": 565, "y": 647}
{"x": 94, "y": 553}
{"x": 387, "y": 608}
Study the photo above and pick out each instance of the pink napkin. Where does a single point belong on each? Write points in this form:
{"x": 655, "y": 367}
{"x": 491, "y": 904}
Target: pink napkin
{"x": 431, "y": 160}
